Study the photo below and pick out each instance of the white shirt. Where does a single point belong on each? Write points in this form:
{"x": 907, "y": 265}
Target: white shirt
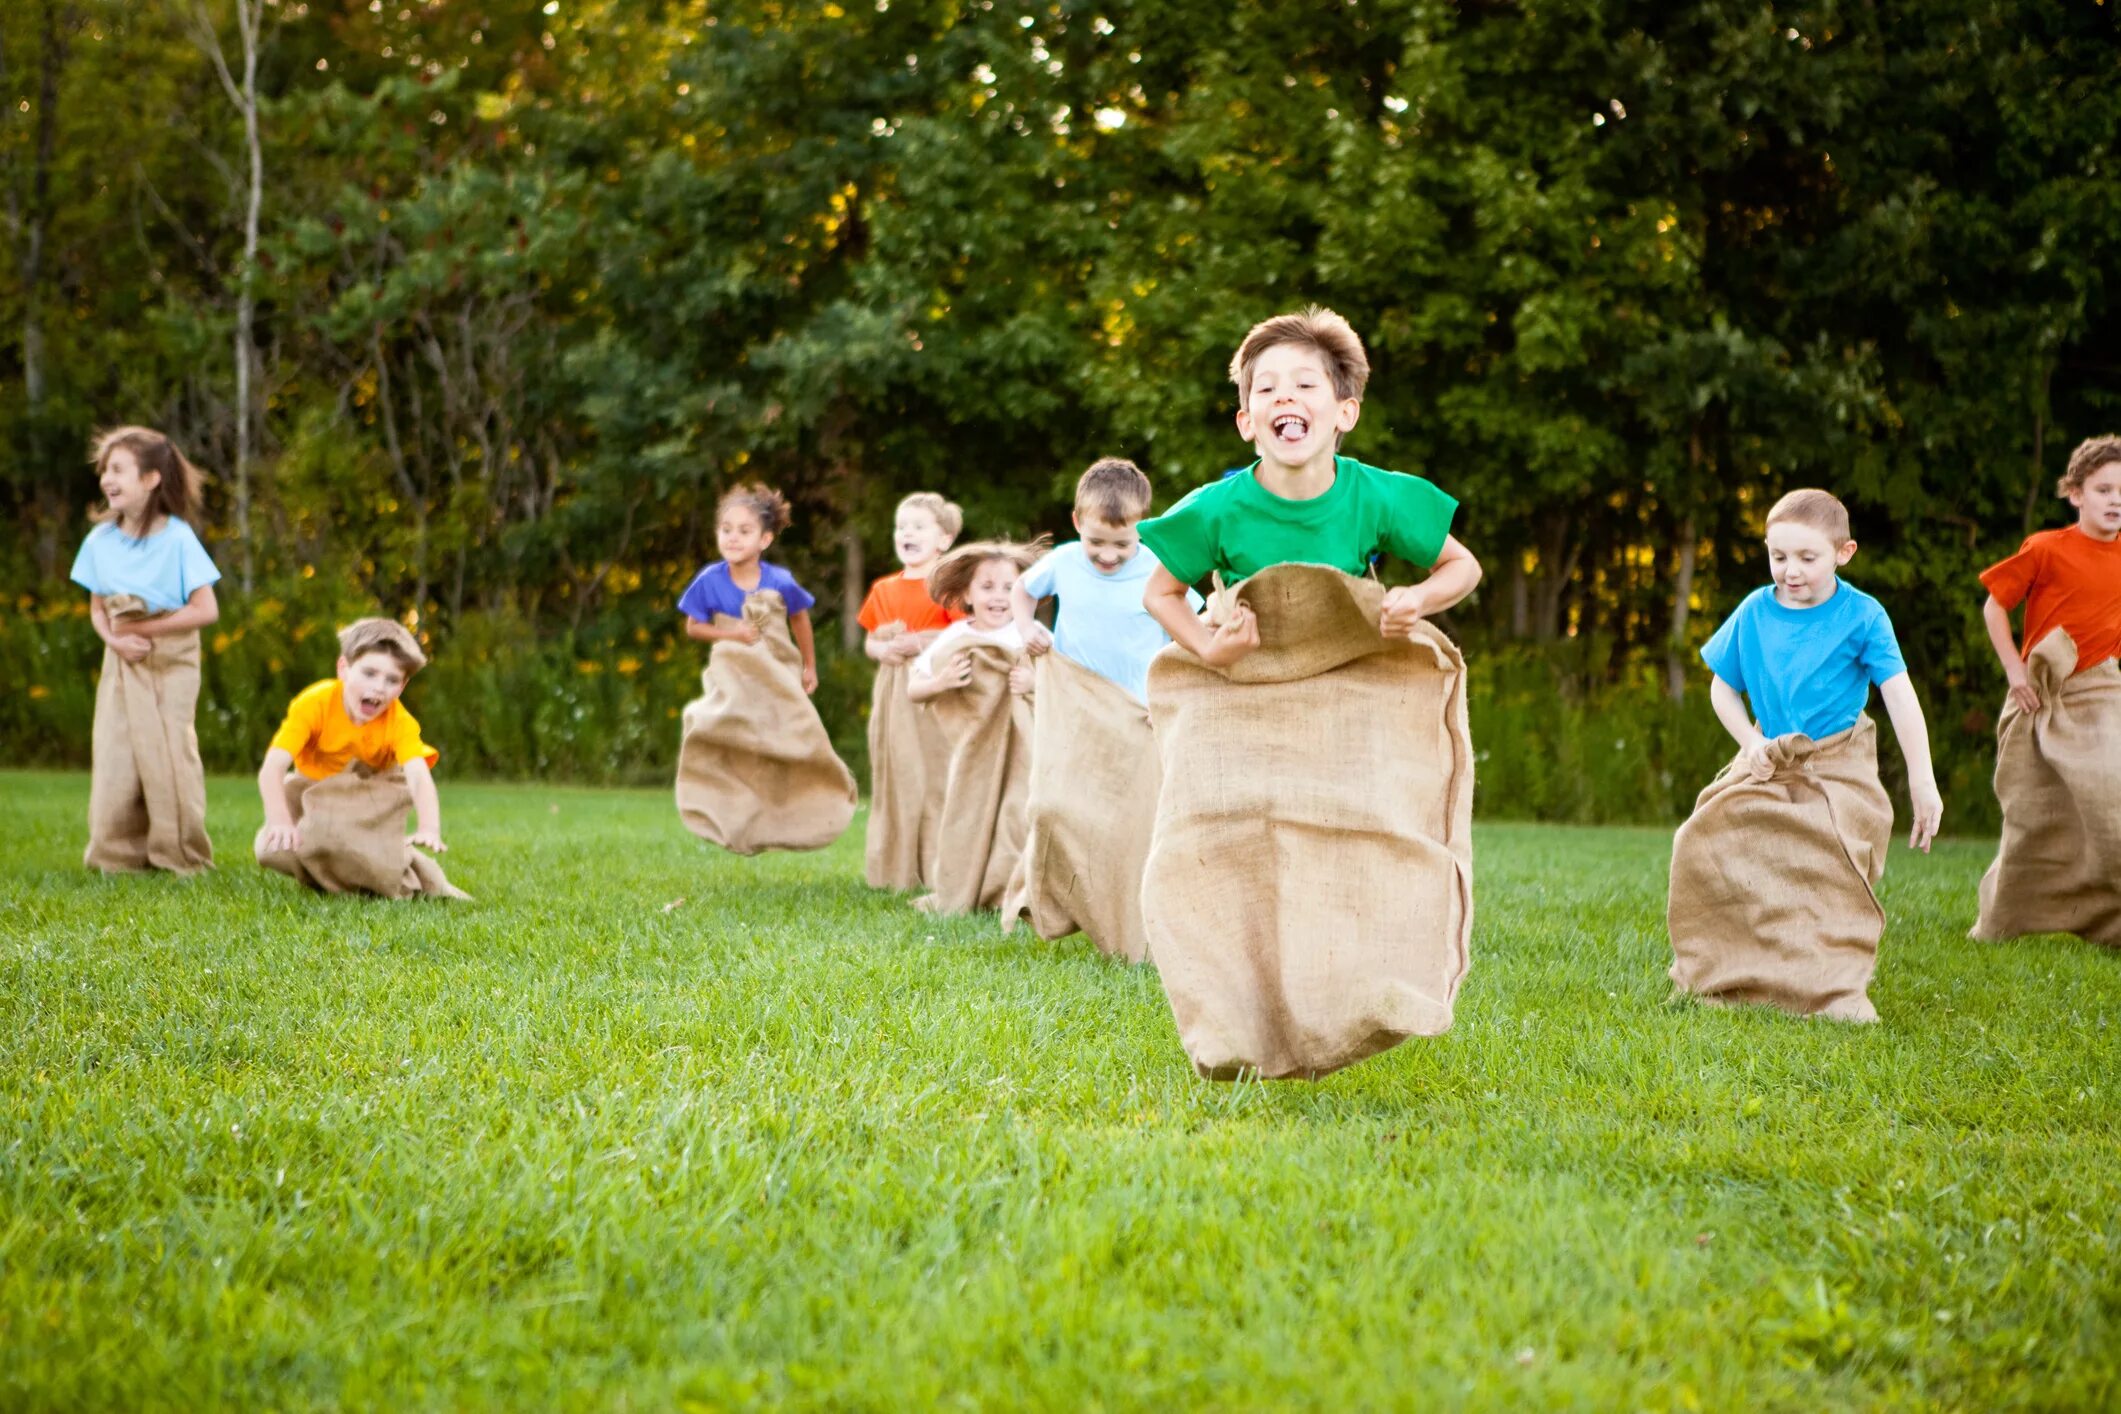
{"x": 963, "y": 635}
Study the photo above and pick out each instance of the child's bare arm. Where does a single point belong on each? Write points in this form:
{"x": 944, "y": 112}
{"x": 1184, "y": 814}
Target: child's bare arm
{"x": 426, "y": 805}
{"x": 951, "y": 675}
{"x": 701, "y": 631}
{"x": 124, "y": 642}
{"x": 199, "y": 610}
{"x": 281, "y": 832}
{"x": 1036, "y": 639}
{"x": 2005, "y": 643}
{"x": 1905, "y": 709}
{"x": 1218, "y": 647}
{"x": 806, "y": 644}
{"x": 1454, "y": 575}
{"x": 1731, "y": 711}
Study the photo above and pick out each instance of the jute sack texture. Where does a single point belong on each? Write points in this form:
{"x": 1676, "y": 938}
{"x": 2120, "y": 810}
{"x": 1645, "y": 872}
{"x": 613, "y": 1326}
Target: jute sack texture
{"x": 909, "y": 765}
{"x": 353, "y": 837}
{"x": 2058, "y": 778}
{"x": 1308, "y": 896}
{"x": 756, "y": 769}
{"x": 980, "y": 837}
{"x": 1090, "y": 811}
{"x": 1773, "y": 882}
{"x": 147, "y": 796}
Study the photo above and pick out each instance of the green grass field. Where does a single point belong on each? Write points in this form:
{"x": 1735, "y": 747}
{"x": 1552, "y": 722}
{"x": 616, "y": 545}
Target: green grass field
{"x": 650, "y": 1126}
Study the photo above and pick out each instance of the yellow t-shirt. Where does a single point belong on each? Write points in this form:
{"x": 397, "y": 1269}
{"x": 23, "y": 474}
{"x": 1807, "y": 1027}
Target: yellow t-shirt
{"x": 324, "y": 740}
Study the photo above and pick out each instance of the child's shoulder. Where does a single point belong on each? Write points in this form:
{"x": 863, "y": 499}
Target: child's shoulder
{"x": 314, "y": 698}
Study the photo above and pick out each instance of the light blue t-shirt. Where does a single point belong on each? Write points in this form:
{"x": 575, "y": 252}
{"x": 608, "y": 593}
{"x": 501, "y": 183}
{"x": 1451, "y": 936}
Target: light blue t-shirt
{"x": 1806, "y": 670}
{"x": 163, "y": 568}
{"x": 1101, "y": 623}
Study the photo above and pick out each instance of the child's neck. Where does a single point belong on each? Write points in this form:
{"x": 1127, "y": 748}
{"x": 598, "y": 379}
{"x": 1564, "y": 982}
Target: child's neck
{"x": 1298, "y": 483}
{"x": 2084, "y": 524}
{"x": 147, "y": 524}
{"x": 744, "y": 574}
{"x": 920, "y": 571}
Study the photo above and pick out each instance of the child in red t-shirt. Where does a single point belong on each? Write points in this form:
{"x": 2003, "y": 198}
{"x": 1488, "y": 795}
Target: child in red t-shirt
{"x": 905, "y": 750}
{"x": 2058, "y": 743}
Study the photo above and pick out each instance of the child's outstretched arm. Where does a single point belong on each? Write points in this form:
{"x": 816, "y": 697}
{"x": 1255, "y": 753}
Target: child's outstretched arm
{"x": 806, "y": 644}
{"x": 199, "y": 610}
{"x": 1905, "y": 709}
{"x": 1219, "y": 647}
{"x": 426, "y": 806}
{"x": 281, "y": 831}
{"x": 2005, "y": 643}
{"x": 1454, "y": 575}
{"x": 1036, "y": 639}
{"x": 1730, "y": 710}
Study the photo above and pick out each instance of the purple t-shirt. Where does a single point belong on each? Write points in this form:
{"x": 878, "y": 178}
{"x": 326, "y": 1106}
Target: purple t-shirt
{"x": 713, "y": 592}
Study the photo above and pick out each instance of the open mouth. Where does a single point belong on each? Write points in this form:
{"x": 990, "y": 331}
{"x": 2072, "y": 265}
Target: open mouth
{"x": 371, "y": 705}
{"x": 1291, "y": 428}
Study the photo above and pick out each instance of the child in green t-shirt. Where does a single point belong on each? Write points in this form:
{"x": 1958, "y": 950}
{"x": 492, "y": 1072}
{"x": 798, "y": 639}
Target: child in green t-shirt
{"x": 1300, "y": 381}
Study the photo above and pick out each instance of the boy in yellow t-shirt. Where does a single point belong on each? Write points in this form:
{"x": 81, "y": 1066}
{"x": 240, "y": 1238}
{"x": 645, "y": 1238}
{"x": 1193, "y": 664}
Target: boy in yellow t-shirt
{"x": 353, "y": 717}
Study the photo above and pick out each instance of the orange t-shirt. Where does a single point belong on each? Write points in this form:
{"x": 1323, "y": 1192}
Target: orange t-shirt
{"x": 897, "y": 599}
{"x": 2066, "y": 580}
{"x": 324, "y": 740}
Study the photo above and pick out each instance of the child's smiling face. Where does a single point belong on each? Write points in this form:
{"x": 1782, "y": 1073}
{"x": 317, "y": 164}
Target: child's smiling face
{"x": 1107, "y": 544}
{"x": 129, "y": 491}
{"x": 918, "y": 537}
{"x": 739, "y": 534}
{"x": 1805, "y": 563}
{"x": 370, "y": 683}
{"x": 2098, "y": 502}
{"x": 1291, "y": 413}
{"x": 987, "y": 599}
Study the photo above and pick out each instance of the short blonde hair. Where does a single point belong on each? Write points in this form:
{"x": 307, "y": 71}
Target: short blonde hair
{"x": 947, "y": 512}
{"x": 2088, "y": 458}
{"x": 951, "y": 579}
{"x": 1114, "y": 491}
{"x": 1317, "y": 328}
{"x": 1820, "y": 510}
{"x": 365, "y": 636}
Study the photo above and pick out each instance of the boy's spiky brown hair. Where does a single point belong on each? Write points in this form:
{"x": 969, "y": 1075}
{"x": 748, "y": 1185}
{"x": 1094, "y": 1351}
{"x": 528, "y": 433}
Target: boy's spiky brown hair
{"x": 1335, "y": 340}
{"x": 2088, "y": 458}
{"x": 365, "y": 636}
{"x": 1114, "y": 491}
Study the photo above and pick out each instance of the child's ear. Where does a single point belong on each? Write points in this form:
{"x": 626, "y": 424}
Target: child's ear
{"x": 343, "y": 669}
{"x": 1244, "y": 424}
{"x": 1350, "y": 410}
{"x": 1846, "y": 553}
{"x": 1076, "y": 520}
{"x": 765, "y": 541}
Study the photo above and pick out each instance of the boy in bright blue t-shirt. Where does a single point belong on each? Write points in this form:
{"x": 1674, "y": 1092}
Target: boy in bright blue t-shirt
{"x": 1099, "y": 579}
{"x": 1806, "y": 650}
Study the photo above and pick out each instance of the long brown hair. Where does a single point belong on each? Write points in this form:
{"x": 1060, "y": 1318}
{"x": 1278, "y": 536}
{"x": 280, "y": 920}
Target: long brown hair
{"x": 177, "y": 495}
{"x": 951, "y": 579}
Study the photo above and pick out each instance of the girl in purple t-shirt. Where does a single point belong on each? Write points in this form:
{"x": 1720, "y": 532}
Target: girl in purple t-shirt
{"x": 745, "y": 522}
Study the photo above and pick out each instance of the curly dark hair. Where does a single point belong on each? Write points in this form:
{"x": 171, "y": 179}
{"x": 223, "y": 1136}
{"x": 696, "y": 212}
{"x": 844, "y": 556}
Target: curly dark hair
{"x": 769, "y": 505}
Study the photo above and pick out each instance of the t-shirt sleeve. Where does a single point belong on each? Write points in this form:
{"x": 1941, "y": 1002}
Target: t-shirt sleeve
{"x": 1881, "y": 656}
{"x": 405, "y": 742}
{"x": 696, "y": 602}
{"x": 797, "y": 598}
{"x": 872, "y": 617}
{"x": 86, "y": 572}
{"x": 2009, "y": 581}
{"x": 1183, "y": 539}
{"x": 1417, "y": 518}
{"x": 195, "y": 568}
{"x": 1721, "y": 651}
{"x": 1038, "y": 581}
{"x": 299, "y": 727}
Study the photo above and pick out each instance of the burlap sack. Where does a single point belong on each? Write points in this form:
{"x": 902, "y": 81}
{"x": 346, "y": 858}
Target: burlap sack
{"x": 909, "y": 764}
{"x": 147, "y": 796}
{"x": 1089, "y": 813}
{"x": 756, "y": 769}
{"x": 353, "y": 837}
{"x": 2058, "y": 777}
{"x": 1773, "y": 881}
{"x": 1308, "y": 892}
{"x": 980, "y": 834}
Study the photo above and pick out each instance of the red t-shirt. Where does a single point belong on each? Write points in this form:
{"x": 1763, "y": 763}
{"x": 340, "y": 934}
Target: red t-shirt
{"x": 2066, "y": 580}
{"x": 897, "y": 599}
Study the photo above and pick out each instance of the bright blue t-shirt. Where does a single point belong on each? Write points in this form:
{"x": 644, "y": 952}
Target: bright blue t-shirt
{"x": 1101, "y": 623}
{"x": 163, "y": 568}
{"x": 713, "y": 592}
{"x": 1806, "y": 670}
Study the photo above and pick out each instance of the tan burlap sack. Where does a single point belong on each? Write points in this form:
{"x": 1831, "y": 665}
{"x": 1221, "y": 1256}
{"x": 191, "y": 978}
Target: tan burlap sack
{"x": 756, "y": 769}
{"x": 1773, "y": 882}
{"x": 2058, "y": 777}
{"x": 147, "y": 796}
{"x": 353, "y": 837}
{"x": 909, "y": 764}
{"x": 1308, "y": 893}
{"x": 1089, "y": 813}
{"x": 980, "y": 834}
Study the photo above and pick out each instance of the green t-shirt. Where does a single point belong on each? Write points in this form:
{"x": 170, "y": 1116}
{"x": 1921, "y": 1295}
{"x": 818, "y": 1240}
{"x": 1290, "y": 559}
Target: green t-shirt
{"x": 1238, "y": 527}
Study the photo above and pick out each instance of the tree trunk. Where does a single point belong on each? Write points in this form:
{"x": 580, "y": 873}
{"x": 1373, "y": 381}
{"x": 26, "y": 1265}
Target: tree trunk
{"x": 1675, "y": 658}
{"x": 1520, "y": 599}
{"x": 2039, "y": 476}
{"x": 854, "y": 586}
{"x": 31, "y": 219}
{"x": 1559, "y": 551}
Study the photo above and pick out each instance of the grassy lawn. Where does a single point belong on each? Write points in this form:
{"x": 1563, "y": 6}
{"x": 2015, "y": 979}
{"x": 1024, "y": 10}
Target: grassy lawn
{"x": 649, "y": 1126}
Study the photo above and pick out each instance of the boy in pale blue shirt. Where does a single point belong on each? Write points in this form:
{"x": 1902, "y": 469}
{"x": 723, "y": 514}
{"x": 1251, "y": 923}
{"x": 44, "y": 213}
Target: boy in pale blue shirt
{"x": 1099, "y": 580}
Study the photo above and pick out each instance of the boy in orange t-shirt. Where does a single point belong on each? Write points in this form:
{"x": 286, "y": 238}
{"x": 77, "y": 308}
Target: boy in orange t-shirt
{"x": 925, "y": 526}
{"x": 353, "y": 717}
{"x": 2069, "y": 578}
